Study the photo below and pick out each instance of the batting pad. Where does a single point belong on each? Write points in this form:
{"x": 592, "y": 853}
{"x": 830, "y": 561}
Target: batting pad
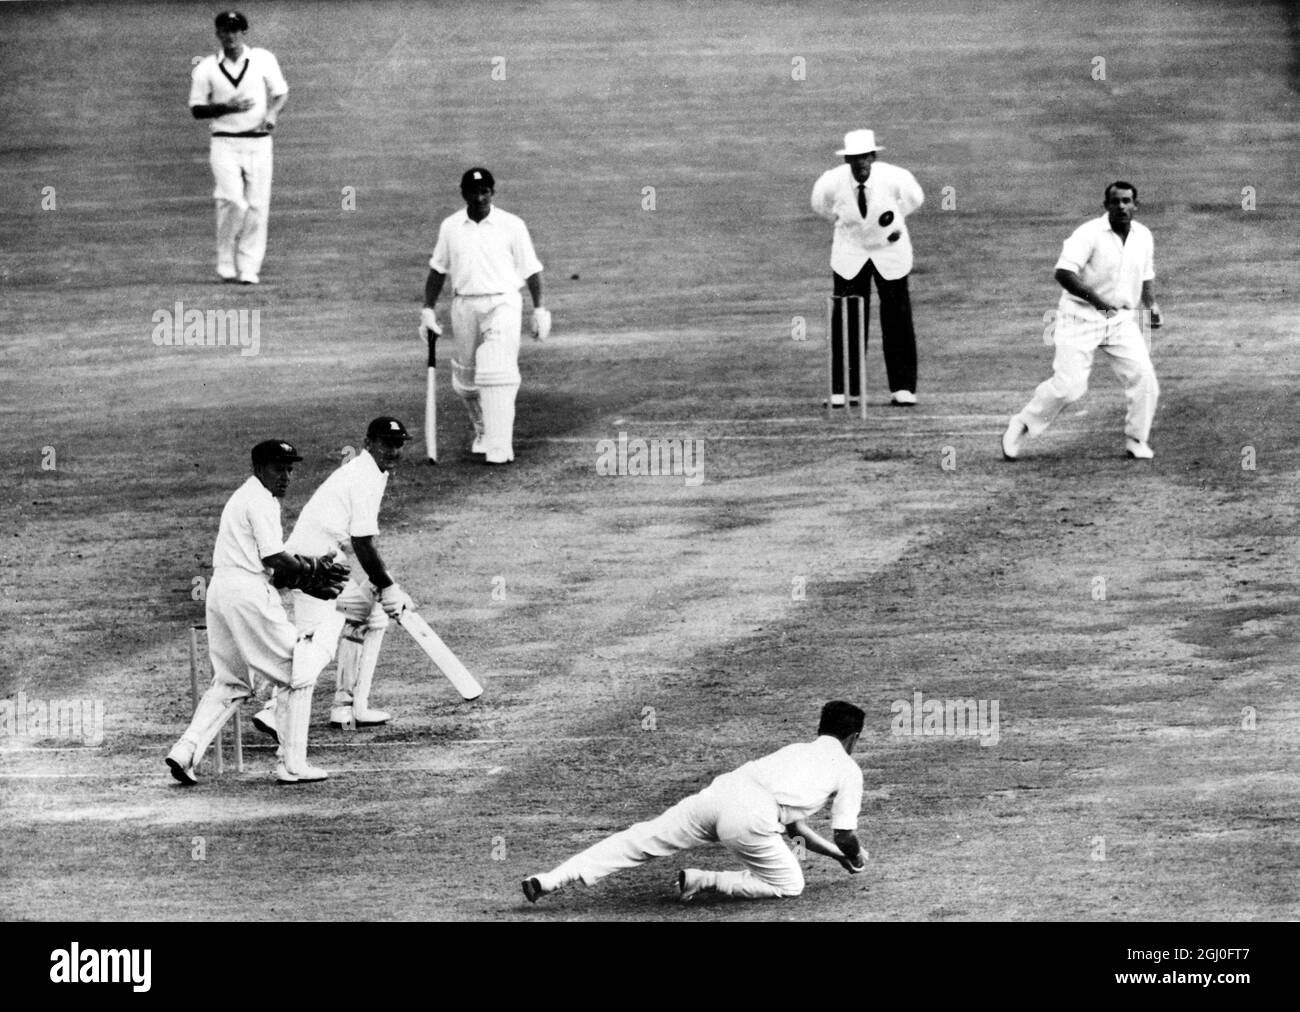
{"x": 462, "y": 380}
{"x": 498, "y": 421}
{"x": 497, "y": 364}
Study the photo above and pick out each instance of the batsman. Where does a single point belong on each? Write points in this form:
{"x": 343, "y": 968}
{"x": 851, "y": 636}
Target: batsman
{"x": 342, "y": 517}
{"x": 488, "y": 255}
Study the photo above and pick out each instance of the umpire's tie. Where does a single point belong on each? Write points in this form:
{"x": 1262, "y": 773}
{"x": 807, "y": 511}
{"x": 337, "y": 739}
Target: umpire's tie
{"x": 862, "y": 199}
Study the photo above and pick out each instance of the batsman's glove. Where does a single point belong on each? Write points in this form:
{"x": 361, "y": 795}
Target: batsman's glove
{"x": 394, "y": 600}
{"x": 429, "y": 324}
{"x": 541, "y": 324}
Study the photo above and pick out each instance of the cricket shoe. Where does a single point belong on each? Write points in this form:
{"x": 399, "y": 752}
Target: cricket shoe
{"x": 306, "y": 775}
{"x": 533, "y": 889}
{"x": 1138, "y": 450}
{"x": 363, "y": 716}
{"x": 477, "y": 446}
{"x": 248, "y": 279}
{"x": 181, "y": 762}
{"x": 264, "y": 721}
{"x": 227, "y": 274}
{"x": 903, "y": 399}
{"x": 1013, "y": 438}
{"x": 837, "y": 401}
{"x": 690, "y": 883}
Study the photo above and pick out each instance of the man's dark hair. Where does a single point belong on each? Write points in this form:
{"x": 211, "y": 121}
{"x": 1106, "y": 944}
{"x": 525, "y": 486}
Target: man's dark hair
{"x": 840, "y": 719}
{"x": 1119, "y": 184}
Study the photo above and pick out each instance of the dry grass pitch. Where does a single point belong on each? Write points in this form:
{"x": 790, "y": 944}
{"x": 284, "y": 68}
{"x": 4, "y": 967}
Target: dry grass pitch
{"x": 1134, "y": 622}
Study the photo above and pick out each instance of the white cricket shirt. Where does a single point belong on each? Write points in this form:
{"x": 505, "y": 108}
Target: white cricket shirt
{"x": 345, "y": 506}
{"x": 255, "y": 75}
{"x": 804, "y": 776}
{"x": 1112, "y": 267}
{"x": 892, "y": 193}
{"x": 489, "y": 257}
{"x": 250, "y": 529}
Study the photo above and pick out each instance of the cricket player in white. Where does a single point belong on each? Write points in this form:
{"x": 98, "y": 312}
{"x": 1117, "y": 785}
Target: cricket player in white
{"x": 342, "y": 518}
{"x": 489, "y": 256}
{"x": 242, "y": 91}
{"x": 1107, "y": 268}
{"x": 250, "y": 638}
{"x": 748, "y": 811}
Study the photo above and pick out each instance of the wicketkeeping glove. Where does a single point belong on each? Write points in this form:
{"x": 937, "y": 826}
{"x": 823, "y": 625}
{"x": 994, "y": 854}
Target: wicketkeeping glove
{"x": 394, "y": 600}
{"x": 541, "y": 324}
{"x": 429, "y": 324}
{"x": 320, "y": 577}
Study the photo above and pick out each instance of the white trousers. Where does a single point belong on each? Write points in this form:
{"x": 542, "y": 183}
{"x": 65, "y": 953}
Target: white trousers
{"x": 491, "y": 398}
{"x": 1079, "y": 334}
{"x": 250, "y": 637}
{"x": 241, "y": 167}
{"x": 733, "y": 811}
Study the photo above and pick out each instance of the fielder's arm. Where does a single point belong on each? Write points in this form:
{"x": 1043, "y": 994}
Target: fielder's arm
{"x": 534, "y": 283}
{"x": 845, "y": 849}
{"x": 273, "y": 108}
{"x": 1071, "y": 283}
{"x": 1149, "y": 301}
{"x": 214, "y": 109}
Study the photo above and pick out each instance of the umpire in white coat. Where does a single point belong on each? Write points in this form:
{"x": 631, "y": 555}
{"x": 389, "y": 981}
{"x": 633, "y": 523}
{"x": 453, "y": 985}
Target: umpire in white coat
{"x": 868, "y": 201}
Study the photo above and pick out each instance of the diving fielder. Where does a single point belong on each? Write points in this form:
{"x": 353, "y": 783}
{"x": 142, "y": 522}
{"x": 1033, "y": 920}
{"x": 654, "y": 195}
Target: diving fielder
{"x": 489, "y": 256}
{"x": 342, "y": 516}
{"x": 242, "y": 91}
{"x": 748, "y": 811}
{"x": 250, "y": 638}
{"x": 1107, "y": 267}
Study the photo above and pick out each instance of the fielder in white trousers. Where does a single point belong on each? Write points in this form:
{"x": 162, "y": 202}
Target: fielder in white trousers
{"x": 733, "y": 811}
{"x": 750, "y": 811}
{"x": 241, "y": 168}
{"x": 1080, "y": 333}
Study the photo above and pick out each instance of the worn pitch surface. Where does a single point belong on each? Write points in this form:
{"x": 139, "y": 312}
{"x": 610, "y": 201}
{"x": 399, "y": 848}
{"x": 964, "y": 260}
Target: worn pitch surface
{"x": 637, "y": 635}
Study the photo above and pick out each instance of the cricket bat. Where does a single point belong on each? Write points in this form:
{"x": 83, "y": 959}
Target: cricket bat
{"x": 448, "y": 663}
{"x": 431, "y": 404}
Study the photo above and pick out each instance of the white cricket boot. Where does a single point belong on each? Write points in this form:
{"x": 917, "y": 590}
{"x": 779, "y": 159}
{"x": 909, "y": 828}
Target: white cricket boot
{"x": 210, "y": 716}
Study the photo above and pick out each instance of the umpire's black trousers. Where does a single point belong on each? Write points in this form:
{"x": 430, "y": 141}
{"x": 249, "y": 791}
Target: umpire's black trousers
{"x": 897, "y": 338}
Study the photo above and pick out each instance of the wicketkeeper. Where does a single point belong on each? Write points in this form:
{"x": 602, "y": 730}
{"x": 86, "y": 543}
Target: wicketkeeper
{"x": 250, "y": 638}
